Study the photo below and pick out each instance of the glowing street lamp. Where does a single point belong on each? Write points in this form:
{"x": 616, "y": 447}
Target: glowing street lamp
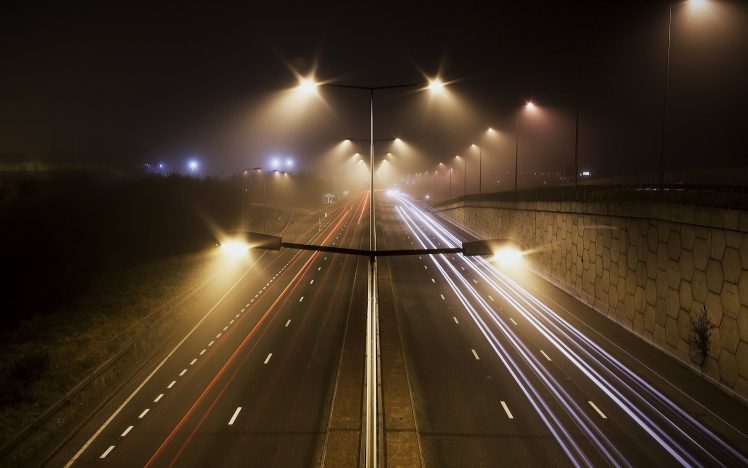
{"x": 308, "y": 86}
{"x": 529, "y": 107}
{"x": 436, "y": 85}
{"x": 193, "y": 165}
{"x": 694, "y": 3}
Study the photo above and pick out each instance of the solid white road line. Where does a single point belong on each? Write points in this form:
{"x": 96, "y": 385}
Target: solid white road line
{"x": 288, "y": 323}
{"x": 475, "y": 354}
{"x": 127, "y": 431}
{"x": 455, "y": 319}
{"x": 171, "y": 384}
{"x": 160, "y": 395}
{"x": 602, "y": 415}
{"x": 233, "y": 418}
{"x": 145, "y": 411}
{"x": 106, "y": 452}
{"x": 267, "y": 359}
{"x": 506, "y": 410}
{"x": 512, "y": 320}
{"x": 192, "y": 363}
{"x": 157, "y": 368}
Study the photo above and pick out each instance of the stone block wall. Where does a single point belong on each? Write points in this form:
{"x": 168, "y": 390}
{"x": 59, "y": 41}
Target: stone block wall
{"x": 648, "y": 266}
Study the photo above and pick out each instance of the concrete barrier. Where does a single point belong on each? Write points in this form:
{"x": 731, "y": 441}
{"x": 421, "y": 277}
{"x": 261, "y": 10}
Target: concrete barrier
{"x": 648, "y": 266}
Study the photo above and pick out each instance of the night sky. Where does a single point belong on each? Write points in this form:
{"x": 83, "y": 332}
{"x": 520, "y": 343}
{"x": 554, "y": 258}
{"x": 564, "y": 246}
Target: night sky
{"x": 133, "y": 82}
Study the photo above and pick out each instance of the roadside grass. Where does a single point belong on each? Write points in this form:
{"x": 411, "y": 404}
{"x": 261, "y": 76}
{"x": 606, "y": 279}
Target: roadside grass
{"x": 47, "y": 355}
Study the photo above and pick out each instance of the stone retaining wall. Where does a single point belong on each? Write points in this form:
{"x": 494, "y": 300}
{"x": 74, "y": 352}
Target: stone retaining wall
{"x": 649, "y": 267}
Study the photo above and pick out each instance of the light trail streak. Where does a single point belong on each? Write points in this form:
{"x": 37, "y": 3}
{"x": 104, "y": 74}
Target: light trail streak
{"x": 608, "y": 374}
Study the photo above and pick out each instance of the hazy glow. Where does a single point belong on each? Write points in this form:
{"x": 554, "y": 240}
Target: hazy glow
{"x": 307, "y": 86}
{"x": 508, "y": 257}
{"x": 234, "y": 248}
{"x": 436, "y": 86}
{"x": 289, "y": 162}
{"x": 193, "y": 165}
{"x": 530, "y": 106}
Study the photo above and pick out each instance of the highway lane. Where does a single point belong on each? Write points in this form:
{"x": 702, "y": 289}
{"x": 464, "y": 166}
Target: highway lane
{"x": 509, "y": 380}
{"x": 270, "y": 346}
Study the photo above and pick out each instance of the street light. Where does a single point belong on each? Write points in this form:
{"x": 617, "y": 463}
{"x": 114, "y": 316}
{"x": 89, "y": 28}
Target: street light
{"x": 530, "y": 107}
{"x": 309, "y": 86}
{"x": 464, "y": 174}
{"x": 480, "y": 158}
{"x": 695, "y": 3}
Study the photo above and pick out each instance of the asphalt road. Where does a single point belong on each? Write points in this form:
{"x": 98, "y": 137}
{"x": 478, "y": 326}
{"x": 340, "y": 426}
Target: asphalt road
{"x": 252, "y": 382}
{"x": 502, "y": 373}
{"x": 482, "y": 365}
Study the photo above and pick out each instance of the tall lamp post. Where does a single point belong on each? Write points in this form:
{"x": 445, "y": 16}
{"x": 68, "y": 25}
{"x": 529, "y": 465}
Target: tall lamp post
{"x": 530, "y": 106}
{"x": 667, "y": 83}
{"x": 309, "y": 86}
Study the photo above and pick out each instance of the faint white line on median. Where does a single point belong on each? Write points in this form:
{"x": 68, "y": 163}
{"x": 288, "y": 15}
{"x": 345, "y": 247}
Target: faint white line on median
{"x": 506, "y": 410}
{"x": 233, "y": 418}
{"x": 145, "y": 411}
{"x": 545, "y": 355}
{"x": 475, "y": 354}
{"x": 106, "y": 452}
{"x": 267, "y": 359}
{"x": 602, "y": 415}
{"x": 127, "y": 431}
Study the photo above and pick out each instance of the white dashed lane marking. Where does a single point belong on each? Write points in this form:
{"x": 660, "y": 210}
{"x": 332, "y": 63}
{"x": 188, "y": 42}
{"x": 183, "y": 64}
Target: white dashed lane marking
{"x": 127, "y": 431}
{"x": 602, "y": 415}
{"x": 506, "y": 410}
{"x": 475, "y": 355}
{"x": 233, "y": 418}
{"x": 106, "y": 452}
{"x": 267, "y": 359}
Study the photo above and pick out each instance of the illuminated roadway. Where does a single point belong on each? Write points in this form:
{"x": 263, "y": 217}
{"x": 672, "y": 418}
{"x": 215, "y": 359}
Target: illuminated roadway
{"x": 498, "y": 372}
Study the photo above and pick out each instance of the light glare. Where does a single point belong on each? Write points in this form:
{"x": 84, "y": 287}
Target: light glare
{"x": 508, "y": 257}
